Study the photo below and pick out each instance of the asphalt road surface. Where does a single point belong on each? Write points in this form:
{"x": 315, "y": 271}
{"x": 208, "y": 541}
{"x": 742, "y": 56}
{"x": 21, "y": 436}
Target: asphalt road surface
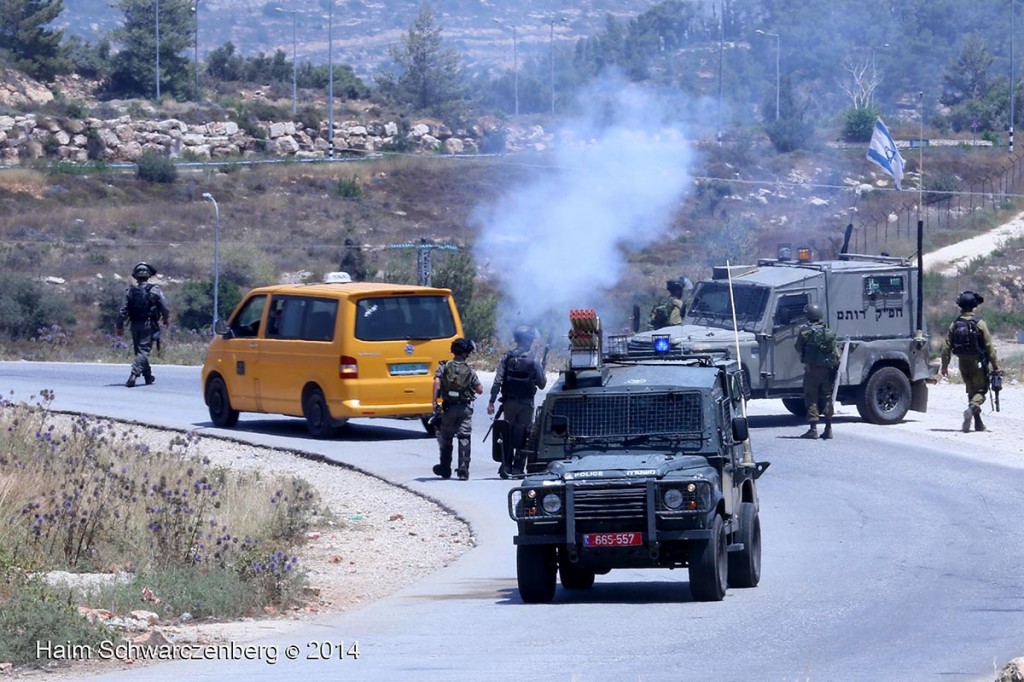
{"x": 886, "y": 556}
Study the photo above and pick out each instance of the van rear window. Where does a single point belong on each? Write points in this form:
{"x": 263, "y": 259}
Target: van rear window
{"x": 390, "y": 318}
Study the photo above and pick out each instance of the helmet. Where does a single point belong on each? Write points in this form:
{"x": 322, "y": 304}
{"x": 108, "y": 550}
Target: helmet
{"x": 143, "y": 270}
{"x": 968, "y": 300}
{"x": 524, "y": 334}
{"x": 815, "y": 313}
{"x": 674, "y": 285}
{"x": 462, "y": 346}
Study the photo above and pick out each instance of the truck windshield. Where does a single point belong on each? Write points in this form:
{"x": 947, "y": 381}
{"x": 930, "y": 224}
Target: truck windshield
{"x": 629, "y": 415}
{"x": 711, "y": 305}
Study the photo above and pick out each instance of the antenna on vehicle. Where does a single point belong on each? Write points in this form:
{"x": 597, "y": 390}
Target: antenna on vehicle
{"x": 748, "y": 456}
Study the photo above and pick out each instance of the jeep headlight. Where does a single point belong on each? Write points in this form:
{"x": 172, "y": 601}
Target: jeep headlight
{"x": 551, "y": 503}
{"x": 673, "y": 498}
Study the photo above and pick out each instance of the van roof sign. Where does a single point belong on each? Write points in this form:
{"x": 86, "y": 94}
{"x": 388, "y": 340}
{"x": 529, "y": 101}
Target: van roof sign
{"x": 337, "y": 278}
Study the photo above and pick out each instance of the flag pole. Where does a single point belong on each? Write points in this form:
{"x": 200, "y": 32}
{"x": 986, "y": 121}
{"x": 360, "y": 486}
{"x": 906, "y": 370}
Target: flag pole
{"x": 919, "y": 334}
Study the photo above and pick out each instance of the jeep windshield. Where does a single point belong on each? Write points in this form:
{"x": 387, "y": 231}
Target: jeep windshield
{"x": 711, "y": 305}
{"x": 627, "y": 418}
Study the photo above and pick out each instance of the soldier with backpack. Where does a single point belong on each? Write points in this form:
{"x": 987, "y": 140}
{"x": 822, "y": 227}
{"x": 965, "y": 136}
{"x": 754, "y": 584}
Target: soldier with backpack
{"x": 671, "y": 312}
{"x": 969, "y": 340}
{"x": 819, "y": 352}
{"x": 143, "y": 306}
{"x": 456, "y": 386}
{"x": 517, "y": 379}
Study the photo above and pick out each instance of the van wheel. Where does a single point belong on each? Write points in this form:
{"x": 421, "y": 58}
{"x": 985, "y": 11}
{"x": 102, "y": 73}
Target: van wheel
{"x": 219, "y": 404}
{"x": 885, "y": 398}
{"x": 318, "y": 417}
{"x": 795, "y": 406}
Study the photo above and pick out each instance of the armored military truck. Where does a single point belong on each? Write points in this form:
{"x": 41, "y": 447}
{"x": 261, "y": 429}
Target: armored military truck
{"x": 869, "y": 302}
{"x": 638, "y": 462}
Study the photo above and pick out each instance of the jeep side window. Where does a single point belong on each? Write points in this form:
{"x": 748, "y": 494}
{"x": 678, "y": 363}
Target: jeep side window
{"x": 791, "y": 309}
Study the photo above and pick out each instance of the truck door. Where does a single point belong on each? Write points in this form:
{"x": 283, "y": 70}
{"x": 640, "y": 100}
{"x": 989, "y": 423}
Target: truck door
{"x": 785, "y": 370}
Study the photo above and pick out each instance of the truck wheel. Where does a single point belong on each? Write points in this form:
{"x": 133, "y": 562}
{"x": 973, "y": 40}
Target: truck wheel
{"x": 221, "y": 413}
{"x": 318, "y": 417}
{"x": 575, "y": 578}
{"x": 709, "y": 568}
{"x": 745, "y": 565}
{"x": 885, "y": 397}
{"x": 795, "y": 406}
{"x": 536, "y": 566}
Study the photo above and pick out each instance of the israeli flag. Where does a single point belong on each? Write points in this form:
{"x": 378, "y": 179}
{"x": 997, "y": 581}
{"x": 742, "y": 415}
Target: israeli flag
{"x": 883, "y": 152}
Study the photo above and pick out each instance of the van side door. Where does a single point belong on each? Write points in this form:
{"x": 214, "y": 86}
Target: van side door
{"x": 242, "y": 350}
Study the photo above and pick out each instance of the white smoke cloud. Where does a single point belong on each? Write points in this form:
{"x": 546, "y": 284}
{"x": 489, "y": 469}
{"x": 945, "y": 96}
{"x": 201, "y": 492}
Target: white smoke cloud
{"x": 560, "y": 242}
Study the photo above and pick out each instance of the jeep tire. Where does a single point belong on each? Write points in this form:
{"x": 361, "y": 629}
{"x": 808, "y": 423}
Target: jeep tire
{"x": 745, "y": 565}
{"x": 795, "y": 406}
{"x": 709, "y": 567}
{"x": 885, "y": 397}
{"x": 536, "y": 566}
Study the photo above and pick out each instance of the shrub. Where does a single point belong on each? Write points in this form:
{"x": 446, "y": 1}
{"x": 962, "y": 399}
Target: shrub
{"x": 153, "y": 167}
{"x": 27, "y": 306}
{"x": 195, "y": 304}
{"x": 859, "y": 124}
{"x": 348, "y": 188}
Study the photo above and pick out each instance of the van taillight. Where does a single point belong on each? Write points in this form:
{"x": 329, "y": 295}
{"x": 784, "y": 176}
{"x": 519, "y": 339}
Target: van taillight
{"x": 348, "y": 368}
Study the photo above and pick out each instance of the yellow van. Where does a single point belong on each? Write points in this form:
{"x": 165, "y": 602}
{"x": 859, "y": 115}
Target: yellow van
{"x": 330, "y": 352}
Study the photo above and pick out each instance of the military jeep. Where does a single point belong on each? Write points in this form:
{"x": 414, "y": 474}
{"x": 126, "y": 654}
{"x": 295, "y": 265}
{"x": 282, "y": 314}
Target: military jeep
{"x": 638, "y": 462}
{"x": 868, "y": 301}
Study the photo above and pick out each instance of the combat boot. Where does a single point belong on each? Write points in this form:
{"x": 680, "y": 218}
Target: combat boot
{"x": 978, "y": 424}
{"x": 968, "y": 415}
{"x": 463, "y": 470}
{"x": 131, "y": 380}
{"x": 442, "y": 472}
{"x": 811, "y": 432}
{"x": 827, "y": 433}
{"x": 149, "y": 379}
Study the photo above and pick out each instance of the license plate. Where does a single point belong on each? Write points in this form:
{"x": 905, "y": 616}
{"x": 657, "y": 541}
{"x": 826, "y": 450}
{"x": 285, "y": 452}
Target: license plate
{"x": 612, "y": 539}
{"x": 404, "y": 369}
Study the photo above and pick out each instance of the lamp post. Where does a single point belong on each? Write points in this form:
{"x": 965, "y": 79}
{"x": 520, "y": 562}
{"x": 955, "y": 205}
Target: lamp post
{"x": 552, "y": 22}
{"x": 1013, "y": 16}
{"x": 158, "y": 50}
{"x": 195, "y": 66}
{"x": 330, "y": 78}
{"x": 778, "y": 51}
{"x": 293, "y": 12}
{"x": 721, "y": 59}
{"x": 216, "y": 256}
{"x": 515, "y": 60}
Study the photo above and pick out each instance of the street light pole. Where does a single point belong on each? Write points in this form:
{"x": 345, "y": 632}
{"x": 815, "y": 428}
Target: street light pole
{"x": 515, "y": 60}
{"x": 553, "y": 22}
{"x": 294, "y": 13}
{"x": 158, "y": 50}
{"x": 330, "y": 77}
{"x": 778, "y": 52}
{"x": 195, "y": 68}
{"x": 216, "y": 257}
{"x": 721, "y": 59}
{"x": 1012, "y": 17}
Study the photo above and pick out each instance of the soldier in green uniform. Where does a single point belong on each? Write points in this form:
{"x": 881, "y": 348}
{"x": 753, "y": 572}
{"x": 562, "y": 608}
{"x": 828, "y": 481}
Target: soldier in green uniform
{"x": 456, "y": 386}
{"x": 969, "y": 340}
{"x": 819, "y": 352}
{"x": 671, "y": 312}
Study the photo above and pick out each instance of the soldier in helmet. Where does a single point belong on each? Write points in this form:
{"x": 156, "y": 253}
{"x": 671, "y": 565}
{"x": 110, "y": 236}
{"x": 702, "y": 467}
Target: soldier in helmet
{"x": 516, "y": 381}
{"x": 144, "y": 307}
{"x": 969, "y": 340}
{"x": 456, "y": 386}
{"x": 819, "y": 352}
{"x": 671, "y": 312}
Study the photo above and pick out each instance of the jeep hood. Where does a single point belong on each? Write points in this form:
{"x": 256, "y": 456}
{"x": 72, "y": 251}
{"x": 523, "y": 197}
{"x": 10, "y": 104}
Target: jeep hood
{"x": 626, "y": 465}
{"x": 695, "y": 336}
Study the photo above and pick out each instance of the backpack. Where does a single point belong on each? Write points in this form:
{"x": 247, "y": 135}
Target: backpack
{"x": 457, "y": 383}
{"x": 519, "y": 376}
{"x": 140, "y": 303}
{"x": 661, "y": 314}
{"x": 820, "y": 347}
{"x": 966, "y": 337}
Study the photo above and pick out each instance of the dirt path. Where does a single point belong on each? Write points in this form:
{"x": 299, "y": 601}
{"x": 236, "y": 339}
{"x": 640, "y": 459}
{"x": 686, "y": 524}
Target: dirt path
{"x": 949, "y": 259}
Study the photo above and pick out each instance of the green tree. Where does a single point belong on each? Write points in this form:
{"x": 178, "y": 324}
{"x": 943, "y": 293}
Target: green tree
{"x": 134, "y": 65}
{"x": 35, "y": 49}
{"x": 429, "y": 76}
{"x": 967, "y": 77}
{"x": 477, "y": 312}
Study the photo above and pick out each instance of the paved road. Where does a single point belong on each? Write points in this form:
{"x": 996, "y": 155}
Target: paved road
{"x": 884, "y": 559}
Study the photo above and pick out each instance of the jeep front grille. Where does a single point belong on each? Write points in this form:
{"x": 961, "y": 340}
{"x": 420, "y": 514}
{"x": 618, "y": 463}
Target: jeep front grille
{"x": 610, "y": 504}
{"x": 630, "y": 414}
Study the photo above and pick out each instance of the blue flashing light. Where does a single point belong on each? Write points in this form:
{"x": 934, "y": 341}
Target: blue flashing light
{"x": 662, "y": 344}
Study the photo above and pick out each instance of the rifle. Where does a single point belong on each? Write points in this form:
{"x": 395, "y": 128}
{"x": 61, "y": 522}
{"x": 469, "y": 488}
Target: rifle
{"x": 547, "y": 348}
{"x": 997, "y": 386}
{"x": 497, "y": 416}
